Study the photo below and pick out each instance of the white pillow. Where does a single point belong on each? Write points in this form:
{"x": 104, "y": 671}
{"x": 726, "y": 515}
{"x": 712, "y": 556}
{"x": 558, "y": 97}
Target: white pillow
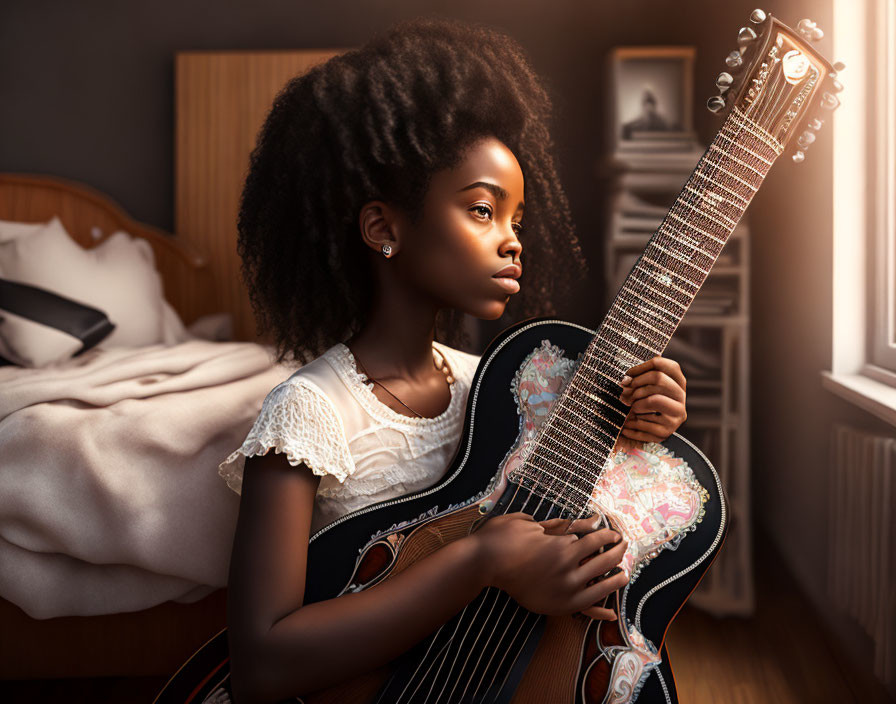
{"x": 173, "y": 329}
{"x": 118, "y": 276}
{"x": 12, "y": 229}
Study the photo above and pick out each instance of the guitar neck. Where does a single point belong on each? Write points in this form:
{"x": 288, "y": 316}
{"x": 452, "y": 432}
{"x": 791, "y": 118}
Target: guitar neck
{"x": 568, "y": 456}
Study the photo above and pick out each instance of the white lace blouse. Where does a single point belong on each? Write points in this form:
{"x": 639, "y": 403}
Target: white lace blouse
{"x": 327, "y": 416}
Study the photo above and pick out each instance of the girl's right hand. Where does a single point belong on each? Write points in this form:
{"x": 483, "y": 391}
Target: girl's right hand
{"x": 547, "y": 572}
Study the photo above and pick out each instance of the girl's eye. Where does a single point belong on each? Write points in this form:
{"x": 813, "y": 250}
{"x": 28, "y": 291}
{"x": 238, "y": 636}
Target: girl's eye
{"x": 518, "y": 226}
{"x": 488, "y": 211}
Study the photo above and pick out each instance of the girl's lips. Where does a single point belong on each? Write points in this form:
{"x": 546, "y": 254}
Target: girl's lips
{"x": 508, "y": 284}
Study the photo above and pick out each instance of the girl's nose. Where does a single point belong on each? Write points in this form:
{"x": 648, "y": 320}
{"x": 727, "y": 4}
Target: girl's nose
{"x": 511, "y": 244}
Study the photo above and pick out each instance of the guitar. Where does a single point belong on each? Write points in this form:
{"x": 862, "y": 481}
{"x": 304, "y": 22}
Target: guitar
{"x": 542, "y": 417}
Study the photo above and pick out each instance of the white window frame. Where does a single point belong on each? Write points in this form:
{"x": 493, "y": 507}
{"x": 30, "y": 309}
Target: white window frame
{"x": 863, "y": 368}
{"x": 881, "y": 304}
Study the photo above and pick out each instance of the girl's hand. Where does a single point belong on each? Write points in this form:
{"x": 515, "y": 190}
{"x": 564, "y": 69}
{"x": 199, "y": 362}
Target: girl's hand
{"x": 655, "y": 390}
{"x": 548, "y": 570}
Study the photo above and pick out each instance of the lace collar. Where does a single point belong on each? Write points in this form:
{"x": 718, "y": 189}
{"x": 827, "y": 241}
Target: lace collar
{"x": 343, "y": 361}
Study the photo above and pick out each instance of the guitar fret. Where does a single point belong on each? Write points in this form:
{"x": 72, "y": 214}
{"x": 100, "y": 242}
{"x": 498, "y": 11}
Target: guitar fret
{"x": 734, "y": 176}
{"x": 739, "y": 161}
{"x": 731, "y": 223}
{"x": 674, "y": 256}
{"x": 669, "y": 273}
{"x": 757, "y": 131}
{"x": 541, "y": 470}
{"x": 686, "y": 237}
{"x": 665, "y": 316}
{"x": 627, "y": 358}
{"x": 590, "y": 421}
{"x": 610, "y": 316}
{"x": 702, "y": 232}
{"x": 542, "y": 446}
{"x": 599, "y": 429}
{"x": 610, "y": 405}
{"x": 578, "y": 441}
{"x": 637, "y": 304}
{"x": 735, "y": 143}
{"x": 600, "y": 371}
{"x": 679, "y": 275}
{"x": 630, "y": 336}
{"x": 686, "y": 293}
{"x": 699, "y": 211}
{"x": 724, "y": 188}
{"x": 547, "y": 437}
{"x": 593, "y": 368}
{"x": 649, "y": 346}
{"x": 658, "y": 292}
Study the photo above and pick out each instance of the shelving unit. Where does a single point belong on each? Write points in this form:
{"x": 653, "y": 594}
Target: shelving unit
{"x": 712, "y": 346}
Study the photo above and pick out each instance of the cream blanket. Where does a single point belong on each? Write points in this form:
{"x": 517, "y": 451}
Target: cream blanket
{"x": 110, "y": 499}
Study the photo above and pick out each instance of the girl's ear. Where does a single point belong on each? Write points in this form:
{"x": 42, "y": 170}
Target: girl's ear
{"x": 379, "y": 226}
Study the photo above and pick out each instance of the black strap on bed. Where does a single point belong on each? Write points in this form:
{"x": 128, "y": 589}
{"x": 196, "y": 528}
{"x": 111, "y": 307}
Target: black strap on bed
{"x": 88, "y": 324}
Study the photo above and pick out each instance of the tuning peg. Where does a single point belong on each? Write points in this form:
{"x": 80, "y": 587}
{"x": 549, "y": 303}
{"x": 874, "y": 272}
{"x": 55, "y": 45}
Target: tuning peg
{"x": 734, "y": 60}
{"x": 799, "y": 157}
{"x": 830, "y": 101}
{"x": 724, "y": 81}
{"x": 809, "y": 30}
{"x": 806, "y": 138}
{"x": 757, "y": 16}
{"x": 745, "y": 36}
{"x": 836, "y": 85}
{"x": 815, "y": 124}
{"x": 715, "y": 103}
{"x": 839, "y": 66}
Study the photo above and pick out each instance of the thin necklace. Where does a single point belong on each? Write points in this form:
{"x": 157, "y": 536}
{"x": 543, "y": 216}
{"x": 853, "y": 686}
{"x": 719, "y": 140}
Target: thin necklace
{"x": 443, "y": 367}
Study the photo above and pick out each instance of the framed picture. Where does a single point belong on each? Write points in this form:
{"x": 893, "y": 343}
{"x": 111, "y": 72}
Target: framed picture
{"x": 652, "y": 97}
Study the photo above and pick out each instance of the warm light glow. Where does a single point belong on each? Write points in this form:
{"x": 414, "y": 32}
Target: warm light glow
{"x": 850, "y": 183}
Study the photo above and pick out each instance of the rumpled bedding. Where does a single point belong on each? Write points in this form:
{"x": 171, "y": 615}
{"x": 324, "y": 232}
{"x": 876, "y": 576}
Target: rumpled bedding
{"x": 110, "y": 499}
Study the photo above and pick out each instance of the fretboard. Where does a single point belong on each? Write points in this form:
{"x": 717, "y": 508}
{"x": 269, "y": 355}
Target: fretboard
{"x": 563, "y": 464}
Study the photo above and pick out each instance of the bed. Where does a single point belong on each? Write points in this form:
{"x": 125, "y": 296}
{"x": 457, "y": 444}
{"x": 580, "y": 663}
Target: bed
{"x": 115, "y": 529}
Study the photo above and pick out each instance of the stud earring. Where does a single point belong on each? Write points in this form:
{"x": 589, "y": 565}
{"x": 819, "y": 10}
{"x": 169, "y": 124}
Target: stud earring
{"x": 387, "y": 250}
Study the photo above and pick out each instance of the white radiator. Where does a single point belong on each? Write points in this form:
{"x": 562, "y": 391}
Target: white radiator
{"x": 862, "y": 532}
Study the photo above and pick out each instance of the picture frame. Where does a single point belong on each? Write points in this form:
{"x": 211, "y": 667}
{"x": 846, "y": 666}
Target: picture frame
{"x": 652, "y": 89}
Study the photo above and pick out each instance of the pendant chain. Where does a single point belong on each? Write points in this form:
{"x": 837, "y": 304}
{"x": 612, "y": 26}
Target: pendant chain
{"x": 442, "y": 366}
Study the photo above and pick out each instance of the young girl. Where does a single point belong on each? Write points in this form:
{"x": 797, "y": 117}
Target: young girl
{"x": 384, "y": 199}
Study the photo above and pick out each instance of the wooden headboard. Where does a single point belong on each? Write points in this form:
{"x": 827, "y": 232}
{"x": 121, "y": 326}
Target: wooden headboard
{"x": 221, "y": 101}
{"x": 90, "y": 217}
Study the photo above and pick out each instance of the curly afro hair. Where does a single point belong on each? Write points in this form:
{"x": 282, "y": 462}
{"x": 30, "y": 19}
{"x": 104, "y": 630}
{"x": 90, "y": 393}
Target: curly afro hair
{"x": 375, "y": 123}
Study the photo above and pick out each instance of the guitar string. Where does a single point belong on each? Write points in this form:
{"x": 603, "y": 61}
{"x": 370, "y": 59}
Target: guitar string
{"x": 489, "y": 616}
{"x": 501, "y": 595}
{"x": 484, "y": 648}
{"x": 439, "y": 630}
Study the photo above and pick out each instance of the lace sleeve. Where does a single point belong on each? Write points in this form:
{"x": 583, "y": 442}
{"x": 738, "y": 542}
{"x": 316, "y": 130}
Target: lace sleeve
{"x": 298, "y": 419}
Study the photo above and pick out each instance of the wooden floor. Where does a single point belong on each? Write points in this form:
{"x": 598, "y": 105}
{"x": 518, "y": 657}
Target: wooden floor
{"x": 781, "y": 656}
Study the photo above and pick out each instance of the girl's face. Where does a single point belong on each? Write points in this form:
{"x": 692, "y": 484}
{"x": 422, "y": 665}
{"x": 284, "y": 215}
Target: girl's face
{"x": 468, "y": 232}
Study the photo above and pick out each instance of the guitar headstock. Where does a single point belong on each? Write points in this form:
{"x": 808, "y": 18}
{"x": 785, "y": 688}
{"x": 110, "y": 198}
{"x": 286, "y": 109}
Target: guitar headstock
{"x": 778, "y": 80}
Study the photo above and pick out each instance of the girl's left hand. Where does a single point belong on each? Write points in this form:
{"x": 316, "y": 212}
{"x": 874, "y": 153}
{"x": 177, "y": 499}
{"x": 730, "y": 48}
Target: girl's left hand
{"x": 655, "y": 390}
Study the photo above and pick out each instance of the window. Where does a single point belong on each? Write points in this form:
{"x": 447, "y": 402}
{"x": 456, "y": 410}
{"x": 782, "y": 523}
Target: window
{"x": 882, "y": 208}
{"x": 863, "y": 367}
